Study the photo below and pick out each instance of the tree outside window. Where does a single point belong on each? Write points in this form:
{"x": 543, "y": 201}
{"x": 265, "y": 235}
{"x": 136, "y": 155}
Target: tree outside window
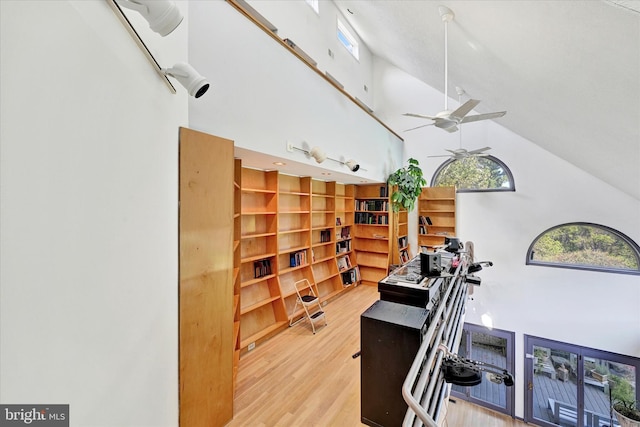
{"x": 474, "y": 173}
{"x": 585, "y": 246}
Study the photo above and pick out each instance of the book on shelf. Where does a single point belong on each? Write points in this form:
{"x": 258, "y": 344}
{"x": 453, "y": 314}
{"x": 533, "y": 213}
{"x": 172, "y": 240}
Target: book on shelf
{"x": 372, "y": 205}
{"x": 350, "y": 277}
{"x": 338, "y": 221}
{"x": 345, "y": 232}
{"x": 344, "y": 263}
{"x": 422, "y": 229}
{"x": 371, "y": 218}
{"x": 297, "y": 258}
{"x": 425, "y": 220}
{"x": 404, "y": 256}
{"x": 343, "y": 246}
{"x": 384, "y": 191}
{"x": 325, "y": 236}
{"x": 262, "y": 268}
{"x": 402, "y": 242}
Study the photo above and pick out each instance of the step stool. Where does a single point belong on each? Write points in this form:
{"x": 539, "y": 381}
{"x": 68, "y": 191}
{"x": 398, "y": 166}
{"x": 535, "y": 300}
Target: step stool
{"x": 310, "y": 303}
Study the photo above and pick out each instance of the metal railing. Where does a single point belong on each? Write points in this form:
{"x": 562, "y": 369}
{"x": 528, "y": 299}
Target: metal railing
{"x": 424, "y": 388}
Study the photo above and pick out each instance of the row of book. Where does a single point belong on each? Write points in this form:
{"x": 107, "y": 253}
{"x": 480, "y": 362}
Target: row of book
{"x": 424, "y": 220}
{"x": 343, "y": 246}
{"x": 325, "y": 236}
{"x": 344, "y": 263}
{"x": 262, "y": 268}
{"x": 297, "y": 258}
{"x": 369, "y": 218}
{"x": 345, "y": 232}
{"x": 350, "y": 277}
{"x": 404, "y": 256}
{"x": 422, "y": 229}
{"x": 403, "y": 242}
{"x": 372, "y": 205}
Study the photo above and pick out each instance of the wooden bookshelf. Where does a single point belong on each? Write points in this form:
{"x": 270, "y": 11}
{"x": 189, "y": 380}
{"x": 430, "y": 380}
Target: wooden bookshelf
{"x": 402, "y": 238}
{"x": 373, "y": 232}
{"x": 294, "y": 238}
{"x": 344, "y": 234}
{"x": 323, "y": 237}
{"x": 437, "y": 205}
{"x": 262, "y": 308}
{"x": 237, "y": 238}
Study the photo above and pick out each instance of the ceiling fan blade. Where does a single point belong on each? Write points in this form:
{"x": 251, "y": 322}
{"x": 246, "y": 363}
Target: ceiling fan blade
{"x": 459, "y": 113}
{"x": 421, "y": 116}
{"x": 485, "y": 116}
{"x": 418, "y": 127}
{"x": 444, "y": 155}
{"x": 479, "y": 150}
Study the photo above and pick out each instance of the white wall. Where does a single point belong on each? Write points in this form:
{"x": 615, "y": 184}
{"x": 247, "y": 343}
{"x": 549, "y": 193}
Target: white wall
{"x": 263, "y": 97}
{"x": 315, "y": 34}
{"x": 88, "y": 277}
{"x": 592, "y": 309}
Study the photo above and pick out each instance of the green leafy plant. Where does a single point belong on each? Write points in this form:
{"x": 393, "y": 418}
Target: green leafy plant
{"x": 407, "y": 183}
{"x": 622, "y": 396}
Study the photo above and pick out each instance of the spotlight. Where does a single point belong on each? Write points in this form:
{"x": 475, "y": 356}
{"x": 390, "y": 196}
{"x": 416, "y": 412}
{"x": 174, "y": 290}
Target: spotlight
{"x": 163, "y": 16}
{"x": 188, "y": 77}
{"x": 318, "y": 154}
{"x": 351, "y": 164}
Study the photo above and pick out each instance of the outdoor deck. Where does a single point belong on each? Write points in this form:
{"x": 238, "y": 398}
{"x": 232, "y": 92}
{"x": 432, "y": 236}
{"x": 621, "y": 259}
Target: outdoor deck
{"x": 545, "y": 388}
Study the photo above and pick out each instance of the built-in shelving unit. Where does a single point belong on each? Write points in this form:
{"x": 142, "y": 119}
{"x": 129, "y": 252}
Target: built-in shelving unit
{"x": 294, "y": 238}
{"x": 402, "y": 237}
{"x": 436, "y": 216}
{"x": 237, "y": 237}
{"x": 349, "y": 275}
{"x": 372, "y": 232}
{"x": 323, "y": 220}
{"x": 262, "y": 308}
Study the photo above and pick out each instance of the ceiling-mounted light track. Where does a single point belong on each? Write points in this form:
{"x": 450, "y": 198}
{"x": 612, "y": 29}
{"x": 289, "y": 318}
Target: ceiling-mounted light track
{"x": 319, "y": 155}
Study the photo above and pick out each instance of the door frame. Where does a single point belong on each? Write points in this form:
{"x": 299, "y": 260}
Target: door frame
{"x": 509, "y": 336}
{"x": 582, "y": 353}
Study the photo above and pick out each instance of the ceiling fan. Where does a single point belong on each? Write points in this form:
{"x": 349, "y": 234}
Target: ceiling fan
{"x": 449, "y": 120}
{"x": 461, "y": 153}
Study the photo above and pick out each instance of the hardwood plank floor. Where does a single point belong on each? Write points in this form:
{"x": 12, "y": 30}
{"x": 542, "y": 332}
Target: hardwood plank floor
{"x": 301, "y": 379}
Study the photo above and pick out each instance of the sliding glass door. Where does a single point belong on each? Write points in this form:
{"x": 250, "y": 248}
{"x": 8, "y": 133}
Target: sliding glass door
{"x": 494, "y": 347}
{"x": 569, "y": 385}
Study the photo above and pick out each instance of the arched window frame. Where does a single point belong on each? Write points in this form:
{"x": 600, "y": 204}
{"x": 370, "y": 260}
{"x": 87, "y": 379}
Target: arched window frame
{"x": 506, "y": 169}
{"x": 634, "y": 246}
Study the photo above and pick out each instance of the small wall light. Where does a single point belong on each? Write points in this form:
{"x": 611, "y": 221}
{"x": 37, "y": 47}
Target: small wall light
{"x": 188, "y": 77}
{"x": 163, "y": 16}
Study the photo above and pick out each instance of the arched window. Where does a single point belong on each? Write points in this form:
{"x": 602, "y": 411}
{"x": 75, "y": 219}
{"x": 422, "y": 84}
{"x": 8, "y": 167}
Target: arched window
{"x": 474, "y": 173}
{"x": 585, "y": 246}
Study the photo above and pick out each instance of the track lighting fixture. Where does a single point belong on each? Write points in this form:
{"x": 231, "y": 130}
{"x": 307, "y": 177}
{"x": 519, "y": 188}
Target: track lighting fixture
{"x": 188, "y": 77}
{"x": 163, "y": 16}
{"x": 351, "y": 164}
{"x": 318, "y": 154}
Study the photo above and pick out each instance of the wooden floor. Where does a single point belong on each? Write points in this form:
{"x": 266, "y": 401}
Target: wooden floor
{"x": 301, "y": 379}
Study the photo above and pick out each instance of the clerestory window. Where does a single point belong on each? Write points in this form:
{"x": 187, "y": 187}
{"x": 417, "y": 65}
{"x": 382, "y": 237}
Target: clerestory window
{"x": 474, "y": 173}
{"x": 585, "y": 246}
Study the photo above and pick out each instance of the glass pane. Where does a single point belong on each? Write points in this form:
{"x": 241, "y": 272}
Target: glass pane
{"x": 601, "y": 377}
{"x": 554, "y": 386}
{"x": 492, "y": 350}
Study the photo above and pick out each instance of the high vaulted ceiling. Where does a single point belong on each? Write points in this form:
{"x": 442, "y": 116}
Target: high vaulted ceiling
{"x": 567, "y": 72}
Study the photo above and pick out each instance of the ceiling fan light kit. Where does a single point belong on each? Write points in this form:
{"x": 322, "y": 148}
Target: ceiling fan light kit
{"x": 449, "y": 120}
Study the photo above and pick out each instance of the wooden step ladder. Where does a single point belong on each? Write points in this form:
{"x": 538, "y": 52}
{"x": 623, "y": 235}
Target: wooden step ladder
{"x": 310, "y": 303}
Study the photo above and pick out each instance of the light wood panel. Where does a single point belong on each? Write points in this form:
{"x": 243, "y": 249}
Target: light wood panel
{"x": 206, "y": 324}
{"x": 300, "y": 379}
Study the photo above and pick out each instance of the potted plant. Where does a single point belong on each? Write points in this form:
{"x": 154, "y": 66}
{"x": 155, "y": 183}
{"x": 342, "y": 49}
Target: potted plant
{"x": 600, "y": 373}
{"x": 623, "y": 402}
{"x": 407, "y": 183}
